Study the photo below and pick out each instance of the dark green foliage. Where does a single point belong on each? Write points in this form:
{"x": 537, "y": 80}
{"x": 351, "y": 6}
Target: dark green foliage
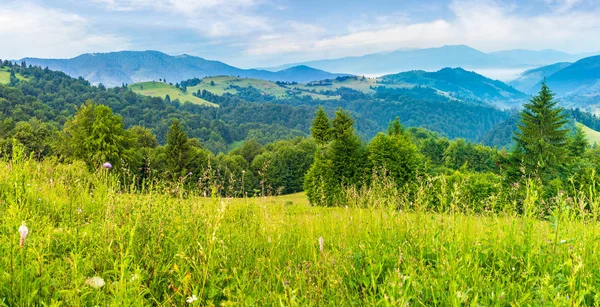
{"x": 460, "y": 83}
{"x": 95, "y": 135}
{"x": 179, "y": 152}
{"x": 250, "y": 149}
{"x": 339, "y": 166}
{"x": 284, "y": 164}
{"x": 578, "y": 143}
{"x": 344, "y": 151}
{"x": 321, "y": 128}
{"x": 395, "y": 154}
{"x": 542, "y": 138}
{"x": 464, "y": 155}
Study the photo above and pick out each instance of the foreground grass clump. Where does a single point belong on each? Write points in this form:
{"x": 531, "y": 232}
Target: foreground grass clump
{"x": 92, "y": 243}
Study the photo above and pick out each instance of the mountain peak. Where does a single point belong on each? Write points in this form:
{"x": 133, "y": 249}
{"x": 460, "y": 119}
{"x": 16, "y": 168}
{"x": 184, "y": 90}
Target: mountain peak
{"x": 116, "y": 68}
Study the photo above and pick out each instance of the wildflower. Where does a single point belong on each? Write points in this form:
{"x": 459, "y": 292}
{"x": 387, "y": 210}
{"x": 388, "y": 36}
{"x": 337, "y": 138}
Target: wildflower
{"x": 190, "y": 173}
{"x": 23, "y": 231}
{"x": 107, "y": 165}
{"x": 95, "y": 282}
{"x": 321, "y": 244}
{"x": 191, "y": 299}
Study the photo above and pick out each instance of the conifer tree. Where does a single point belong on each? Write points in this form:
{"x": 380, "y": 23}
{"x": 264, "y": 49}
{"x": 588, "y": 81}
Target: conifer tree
{"x": 321, "y": 128}
{"x": 395, "y": 127}
{"x": 578, "y": 143}
{"x": 179, "y": 151}
{"x": 345, "y": 150}
{"x": 542, "y": 138}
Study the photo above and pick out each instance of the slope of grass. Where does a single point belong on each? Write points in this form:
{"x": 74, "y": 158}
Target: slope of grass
{"x": 91, "y": 243}
{"x": 223, "y": 84}
{"x": 5, "y": 76}
{"x": 592, "y": 135}
{"x": 160, "y": 89}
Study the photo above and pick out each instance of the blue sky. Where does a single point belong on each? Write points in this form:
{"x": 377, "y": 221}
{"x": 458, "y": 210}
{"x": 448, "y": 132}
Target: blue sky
{"x": 259, "y": 33}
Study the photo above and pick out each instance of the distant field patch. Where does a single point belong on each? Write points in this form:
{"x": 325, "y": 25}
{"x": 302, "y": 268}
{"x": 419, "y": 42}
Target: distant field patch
{"x": 226, "y": 84}
{"x": 4, "y": 76}
{"x": 592, "y": 135}
{"x": 161, "y": 90}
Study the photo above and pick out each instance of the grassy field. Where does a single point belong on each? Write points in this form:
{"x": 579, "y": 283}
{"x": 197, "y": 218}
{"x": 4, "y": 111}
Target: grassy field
{"x": 222, "y": 84}
{"x": 359, "y": 84}
{"x": 5, "y": 76}
{"x": 592, "y": 135}
{"x": 160, "y": 89}
{"x": 90, "y": 243}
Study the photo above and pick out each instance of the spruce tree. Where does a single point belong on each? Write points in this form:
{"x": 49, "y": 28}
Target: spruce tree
{"x": 578, "y": 143}
{"x": 542, "y": 138}
{"x": 179, "y": 152}
{"x": 321, "y": 128}
{"x": 345, "y": 150}
{"x": 395, "y": 127}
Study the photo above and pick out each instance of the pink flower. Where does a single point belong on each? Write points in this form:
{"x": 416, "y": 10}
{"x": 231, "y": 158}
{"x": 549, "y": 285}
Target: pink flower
{"x": 107, "y": 165}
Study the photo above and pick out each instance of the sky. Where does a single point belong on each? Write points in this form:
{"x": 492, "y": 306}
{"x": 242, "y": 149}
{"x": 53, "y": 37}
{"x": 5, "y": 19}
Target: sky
{"x": 267, "y": 33}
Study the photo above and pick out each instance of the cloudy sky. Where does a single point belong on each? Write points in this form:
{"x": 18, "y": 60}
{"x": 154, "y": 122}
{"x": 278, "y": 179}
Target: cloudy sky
{"x": 257, "y": 33}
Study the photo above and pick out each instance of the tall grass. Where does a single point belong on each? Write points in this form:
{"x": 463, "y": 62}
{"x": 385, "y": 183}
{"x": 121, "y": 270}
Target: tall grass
{"x": 388, "y": 246}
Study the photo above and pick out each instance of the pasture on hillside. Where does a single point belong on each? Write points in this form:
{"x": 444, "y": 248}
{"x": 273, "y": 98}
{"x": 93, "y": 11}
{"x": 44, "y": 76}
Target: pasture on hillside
{"x": 592, "y": 135}
{"x": 161, "y": 90}
{"x": 226, "y": 84}
{"x": 94, "y": 239}
{"x": 5, "y": 76}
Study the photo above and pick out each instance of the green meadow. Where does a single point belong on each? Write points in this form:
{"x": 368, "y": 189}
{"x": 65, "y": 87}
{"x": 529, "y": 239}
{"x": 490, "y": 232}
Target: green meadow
{"x": 592, "y": 135}
{"x": 96, "y": 239}
{"x": 161, "y": 90}
{"x": 4, "y": 76}
{"x": 226, "y": 84}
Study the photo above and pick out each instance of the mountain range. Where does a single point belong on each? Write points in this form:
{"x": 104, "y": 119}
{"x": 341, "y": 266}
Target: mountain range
{"x": 431, "y": 59}
{"x": 116, "y": 68}
{"x": 575, "y": 84}
{"x": 462, "y": 84}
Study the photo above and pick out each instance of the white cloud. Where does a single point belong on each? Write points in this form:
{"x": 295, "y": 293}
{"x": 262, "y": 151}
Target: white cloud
{"x": 213, "y": 18}
{"x": 32, "y": 30}
{"x": 482, "y": 24}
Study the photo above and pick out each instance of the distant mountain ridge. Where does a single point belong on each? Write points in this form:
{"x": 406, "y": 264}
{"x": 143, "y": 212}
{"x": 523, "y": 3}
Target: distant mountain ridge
{"x": 432, "y": 59}
{"x": 462, "y": 84}
{"x": 582, "y": 77}
{"x": 116, "y": 68}
{"x": 528, "y": 80}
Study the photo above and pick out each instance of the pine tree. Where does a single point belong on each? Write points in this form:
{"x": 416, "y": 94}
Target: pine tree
{"x": 578, "y": 143}
{"x": 344, "y": 151}
{"x": 395, "y": 127}
{"x": 179, "y": 151}
{"x": 339, "y": 164}
{"x": 321, "y": 128}
{"x": 542, "y": 138}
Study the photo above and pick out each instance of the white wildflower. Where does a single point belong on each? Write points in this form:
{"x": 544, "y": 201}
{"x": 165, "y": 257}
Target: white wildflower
{"x": 95, "y": 282}
{"x": 23, "y": 231}
{"x": 321, "y": 244}
{"x": 191, "y": 299}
